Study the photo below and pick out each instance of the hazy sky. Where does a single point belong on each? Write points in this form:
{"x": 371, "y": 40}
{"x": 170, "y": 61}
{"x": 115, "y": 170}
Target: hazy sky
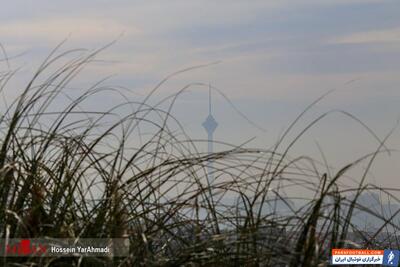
{"x": 275, "y": 58}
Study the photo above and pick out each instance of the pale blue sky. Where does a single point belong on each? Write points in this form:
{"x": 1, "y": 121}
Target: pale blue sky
{"x": 276, "y": 57}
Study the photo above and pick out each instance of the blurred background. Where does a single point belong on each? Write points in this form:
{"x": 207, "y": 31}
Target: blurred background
{"x": 274, "y": 58}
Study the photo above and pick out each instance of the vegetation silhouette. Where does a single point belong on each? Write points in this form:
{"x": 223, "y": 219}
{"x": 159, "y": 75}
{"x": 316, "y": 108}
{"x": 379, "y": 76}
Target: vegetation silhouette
{"x": 70, "y": 172}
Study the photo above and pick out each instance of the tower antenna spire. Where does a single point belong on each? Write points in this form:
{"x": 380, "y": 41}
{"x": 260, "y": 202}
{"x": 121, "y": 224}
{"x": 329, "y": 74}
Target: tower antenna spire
{"x": 209, "y": 99}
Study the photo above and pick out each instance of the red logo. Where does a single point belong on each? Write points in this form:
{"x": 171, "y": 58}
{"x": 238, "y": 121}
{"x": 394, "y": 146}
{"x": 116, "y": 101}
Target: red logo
{"x": 25, "y": 248}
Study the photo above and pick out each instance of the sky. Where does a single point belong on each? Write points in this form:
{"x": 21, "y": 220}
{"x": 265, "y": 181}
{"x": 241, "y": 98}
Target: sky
{"x": 273, "y": 59}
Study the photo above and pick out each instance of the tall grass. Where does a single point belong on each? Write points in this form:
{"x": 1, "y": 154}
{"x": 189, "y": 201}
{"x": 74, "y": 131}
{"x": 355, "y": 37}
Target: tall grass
{"x": 132, "y": 171}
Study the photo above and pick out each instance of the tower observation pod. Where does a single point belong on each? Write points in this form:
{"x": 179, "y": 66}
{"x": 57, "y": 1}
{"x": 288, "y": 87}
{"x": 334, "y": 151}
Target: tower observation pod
{"x": 210, "y": 124}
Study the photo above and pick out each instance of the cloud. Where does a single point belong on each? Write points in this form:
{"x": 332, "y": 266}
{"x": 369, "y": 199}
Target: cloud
{"x": 57, "y": 29}
{"x": 374, "y": 36}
